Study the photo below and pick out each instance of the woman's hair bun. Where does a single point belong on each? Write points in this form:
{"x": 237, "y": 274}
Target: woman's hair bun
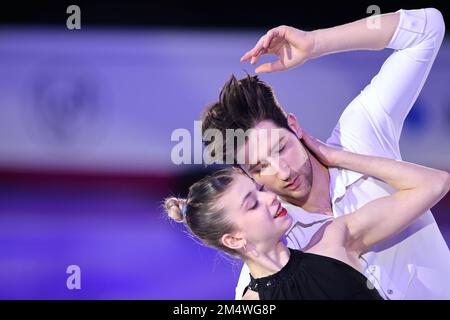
{"x": 174, "y": 208}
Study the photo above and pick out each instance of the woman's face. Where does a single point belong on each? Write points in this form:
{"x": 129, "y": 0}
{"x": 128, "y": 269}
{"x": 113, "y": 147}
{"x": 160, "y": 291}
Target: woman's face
{"x": 256, "y": 213}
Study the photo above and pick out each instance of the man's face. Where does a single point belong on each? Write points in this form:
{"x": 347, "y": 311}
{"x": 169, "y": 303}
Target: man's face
{"x": 275, "y": 157}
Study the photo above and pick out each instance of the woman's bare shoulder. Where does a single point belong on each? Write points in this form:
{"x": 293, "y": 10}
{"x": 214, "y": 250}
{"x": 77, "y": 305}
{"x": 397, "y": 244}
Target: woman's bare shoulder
{"x": 331, "y": 235}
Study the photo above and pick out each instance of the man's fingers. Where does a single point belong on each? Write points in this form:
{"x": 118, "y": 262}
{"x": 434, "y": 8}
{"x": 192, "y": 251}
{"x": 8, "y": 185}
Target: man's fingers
{"x": 267, "y": 39}
{"x": 255, "y": 58}
{"x": 264, "y": 43}
{"x": 261, "y": 46}
{"x": 269, "y": 36}
{"x": 246, "y": 56}
{"x": 256, "y": 49}
{"x": 270, "y": 67}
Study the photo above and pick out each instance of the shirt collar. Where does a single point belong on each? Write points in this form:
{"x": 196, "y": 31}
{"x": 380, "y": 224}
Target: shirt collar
{"x": 340, "y": 179}
{"x": 302, "y": 216}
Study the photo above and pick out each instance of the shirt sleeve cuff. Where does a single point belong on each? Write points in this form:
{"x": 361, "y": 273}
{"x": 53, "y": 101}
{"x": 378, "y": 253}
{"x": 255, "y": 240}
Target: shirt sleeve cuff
{"x": 412, "y": 24}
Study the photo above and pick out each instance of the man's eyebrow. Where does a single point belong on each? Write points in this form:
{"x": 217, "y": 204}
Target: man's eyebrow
{"x": 278, "y": 143}
{"x": 253, "y": 166}
{"x": 245, "y": 198}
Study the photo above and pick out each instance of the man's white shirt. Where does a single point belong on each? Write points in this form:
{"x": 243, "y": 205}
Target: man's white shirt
{"x": 414, "y": 264}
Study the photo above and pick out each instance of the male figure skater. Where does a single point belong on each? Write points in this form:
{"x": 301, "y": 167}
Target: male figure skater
{"x": 416, "y": 263}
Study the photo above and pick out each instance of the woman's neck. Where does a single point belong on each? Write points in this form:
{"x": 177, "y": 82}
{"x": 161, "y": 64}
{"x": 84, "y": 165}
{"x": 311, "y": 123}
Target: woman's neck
{"x": 263, "y": 264}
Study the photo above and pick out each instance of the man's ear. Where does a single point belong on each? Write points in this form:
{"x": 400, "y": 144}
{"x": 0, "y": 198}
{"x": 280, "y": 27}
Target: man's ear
{"x": 293, "y": 124}
{"x": 233, "y": 241}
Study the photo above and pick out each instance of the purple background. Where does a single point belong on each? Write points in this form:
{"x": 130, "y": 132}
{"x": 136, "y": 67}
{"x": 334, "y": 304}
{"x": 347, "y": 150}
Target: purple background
{"x": 85, "y": 125}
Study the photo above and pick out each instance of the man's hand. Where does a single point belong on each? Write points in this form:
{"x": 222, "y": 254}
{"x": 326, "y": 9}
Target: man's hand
{"x": 292, "y": 46}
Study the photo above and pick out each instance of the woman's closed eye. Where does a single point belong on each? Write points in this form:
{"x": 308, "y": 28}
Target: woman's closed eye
{"x": 260, "y": 188}
{"x": 253, "y": 207}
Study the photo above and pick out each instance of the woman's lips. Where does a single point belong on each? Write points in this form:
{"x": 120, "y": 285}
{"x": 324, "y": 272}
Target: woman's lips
{"x": 282, "y": 214}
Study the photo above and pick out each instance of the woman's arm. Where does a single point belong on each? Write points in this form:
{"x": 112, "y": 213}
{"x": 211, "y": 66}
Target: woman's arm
{"x": 418, "y": 189}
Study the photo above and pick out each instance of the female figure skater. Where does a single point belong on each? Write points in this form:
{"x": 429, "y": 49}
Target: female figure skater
{"x": 230, "y": 212}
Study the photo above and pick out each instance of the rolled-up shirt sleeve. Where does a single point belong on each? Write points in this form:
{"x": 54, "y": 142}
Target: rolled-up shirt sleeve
{"x": 375, "y": 117}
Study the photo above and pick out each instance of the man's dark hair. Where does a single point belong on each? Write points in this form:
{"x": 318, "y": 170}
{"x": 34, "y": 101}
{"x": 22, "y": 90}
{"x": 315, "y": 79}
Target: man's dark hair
{"x": 242, "y": 105}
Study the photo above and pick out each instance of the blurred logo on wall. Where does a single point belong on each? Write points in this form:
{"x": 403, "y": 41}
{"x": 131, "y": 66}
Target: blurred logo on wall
{"x": 66, "y": 106}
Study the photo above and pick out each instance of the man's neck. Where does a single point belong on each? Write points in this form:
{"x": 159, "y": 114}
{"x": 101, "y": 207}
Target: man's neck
{"x": 319, "y": 200}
